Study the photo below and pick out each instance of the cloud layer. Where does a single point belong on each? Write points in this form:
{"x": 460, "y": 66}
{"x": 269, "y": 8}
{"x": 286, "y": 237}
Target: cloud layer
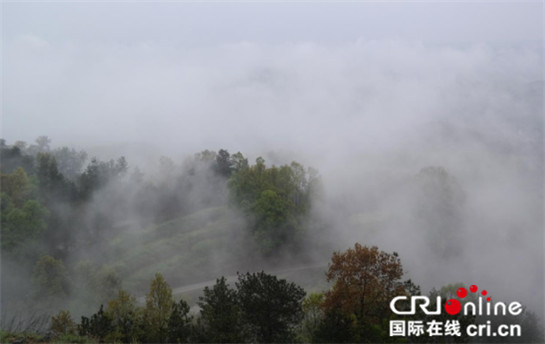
{"x": 368, "y": 113}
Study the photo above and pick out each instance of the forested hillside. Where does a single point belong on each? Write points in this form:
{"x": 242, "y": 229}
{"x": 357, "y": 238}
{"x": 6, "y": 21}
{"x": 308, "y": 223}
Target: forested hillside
{"x": 57, "y": 202}
{"x": 80, "y": 235}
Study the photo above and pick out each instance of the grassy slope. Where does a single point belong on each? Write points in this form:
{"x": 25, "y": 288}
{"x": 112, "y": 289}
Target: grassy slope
{"x": 197, "y": 247}
{"x": 203, "y": 246}
{"x": 185, "y": 250}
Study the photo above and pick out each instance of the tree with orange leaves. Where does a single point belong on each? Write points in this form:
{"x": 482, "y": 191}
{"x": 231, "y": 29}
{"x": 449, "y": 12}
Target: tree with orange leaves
{"x": 365, "y": 280}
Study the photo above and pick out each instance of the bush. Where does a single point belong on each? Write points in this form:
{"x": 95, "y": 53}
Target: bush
{"x": 63, "y": 324}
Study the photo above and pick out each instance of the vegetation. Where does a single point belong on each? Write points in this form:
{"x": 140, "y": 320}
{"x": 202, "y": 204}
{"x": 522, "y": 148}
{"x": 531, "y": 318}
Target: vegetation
{"x": 262, "y": 308}
{"x": 55, "y": 205}
{"x": 271, "y": 308}
{"x": 124, "y": 313}
{"x": 365, "y": 280}
{"x": 439, "y": 209}
{"x": 220, "y": 319}
{"x": 275, "y": 199}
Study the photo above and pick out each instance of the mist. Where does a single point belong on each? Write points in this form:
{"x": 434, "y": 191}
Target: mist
{"x": 370, "y": 108}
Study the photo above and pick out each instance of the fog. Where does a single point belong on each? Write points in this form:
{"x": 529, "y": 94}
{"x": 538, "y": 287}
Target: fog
{"x": 368, "y": 102}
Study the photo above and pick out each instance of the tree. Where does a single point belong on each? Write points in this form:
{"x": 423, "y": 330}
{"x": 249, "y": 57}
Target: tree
{"x": 43, "y": 143}
{"x": 220, "y": 319}
{"x": 275, "y": 200}
{"x": 13, "y": 157}
{"x": 335, "y": 327}
{"x": 125, "y": 318}
{"x": 108, "y": 283}
{"x": 179, "y": 323}
{"x": 239, "y": 162}
{"x": 439, "y": 210}
{"x": 17, "y": 186}
{"x": 98, "y": 326}
{"x": 533, "y": 328}
{"x": 94, "y": 285}
{"x": 47, "y": 171}
{"x": 206, "y": 156}
{"x": 271, "y": 307}
{"x": 62, "y": 323}
{"x": 312, "y": 316}
{"x": 53, "y": 187}
{"x": 50, "y": 281}
{"x": 447, "y": 292}
{"x": 224, "y": 164}
{"x": 69, "y": 161}
{"x": 158, "y": 309}
{"x": 91, "y": 179}
{"x": 22, "y": 145}
{"x": 273, "y": 225}
{"x": 364, "y": 282}
{"x": 22, "y": 225}
{"x": 121, "y": 166}
{"x": 99, "y": 173}
{"x": 23, "y": 218}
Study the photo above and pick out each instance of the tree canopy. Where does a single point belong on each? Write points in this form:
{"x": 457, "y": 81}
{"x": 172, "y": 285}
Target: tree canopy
{"x": 364, "y": 282}
{"x": 276, "y": 200}
{"x": 271, "y": 307}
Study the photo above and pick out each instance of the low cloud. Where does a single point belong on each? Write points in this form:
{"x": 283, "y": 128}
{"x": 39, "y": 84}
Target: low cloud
{"x": 369, "y": 114}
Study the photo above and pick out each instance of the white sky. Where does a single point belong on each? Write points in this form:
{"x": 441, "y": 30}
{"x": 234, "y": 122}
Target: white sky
{"x": 173, "y": 72}
{"x": 456, "y": 84}
{"x": 190, "y": 24}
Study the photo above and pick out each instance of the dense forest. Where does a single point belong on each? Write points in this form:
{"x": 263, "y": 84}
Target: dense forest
{"x": 80, "y": 238}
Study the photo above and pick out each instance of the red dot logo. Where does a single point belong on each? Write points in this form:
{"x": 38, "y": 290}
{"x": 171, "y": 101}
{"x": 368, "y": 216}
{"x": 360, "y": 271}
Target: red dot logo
{"x": 484, "y": 292}
{"x": 473, "y": 288}
{"x": 461, "y": 292}
{"x": 453, "y": 306}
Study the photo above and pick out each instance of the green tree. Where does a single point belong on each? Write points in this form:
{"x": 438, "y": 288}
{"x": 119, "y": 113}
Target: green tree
{"x": 108, "y": 283}
{"x": 275, "y": 200}
{"x": 22, "y": 225}
{"x": 99, "y": 326}
{"x": 224, "y": 164}
{"x": 446, "y": 292}
{"x": 220, "y": 316}
{"x": 23, "y": 218}
{"x": 49, "y": 281}
{"x": 158, "y": 309}
{"x": 271, "y": 307}
{"x": 93, "y": 285}
{"x": 99, "y": 173}
{"x": 273, "y": 225}
{"x": 62, "y": 324}
{"x": 17, "y": 186}
{"x": 313, "y": 314}
{"x": 125, "y": 317}
{"x": 336, "y": 327}
{"x": 49, "y": 177}
{"x": 239, "y": 162}
{"x": 70, "y": 162}
{"x": 179, "y": 323}
{"x": 13, "y": 157}
{"x": 206, "y": 156}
